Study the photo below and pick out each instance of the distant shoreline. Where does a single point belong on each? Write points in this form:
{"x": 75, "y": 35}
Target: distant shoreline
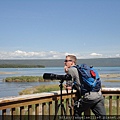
{"x": 20, "y": 66}
{"x": 96, "y": 62}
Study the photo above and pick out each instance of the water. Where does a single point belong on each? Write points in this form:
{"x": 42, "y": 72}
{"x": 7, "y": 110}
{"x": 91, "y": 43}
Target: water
{"x": 12, "y": 89}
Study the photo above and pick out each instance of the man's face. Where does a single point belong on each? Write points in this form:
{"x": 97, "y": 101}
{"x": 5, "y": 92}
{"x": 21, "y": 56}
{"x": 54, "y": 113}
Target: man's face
{"x": 68, "y": 62}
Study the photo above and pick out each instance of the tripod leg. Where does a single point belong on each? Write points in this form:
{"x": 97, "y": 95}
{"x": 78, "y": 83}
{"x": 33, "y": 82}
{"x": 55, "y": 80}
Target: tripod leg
{"x": 63, "y": 110}
{"x": 56, "y": 112}
{"x": 62, "y": 106}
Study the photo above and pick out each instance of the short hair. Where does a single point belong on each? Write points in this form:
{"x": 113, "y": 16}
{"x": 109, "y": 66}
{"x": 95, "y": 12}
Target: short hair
{"x": 73, "y": 58}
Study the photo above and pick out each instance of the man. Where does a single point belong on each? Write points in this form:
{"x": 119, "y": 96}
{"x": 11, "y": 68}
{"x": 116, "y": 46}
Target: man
{"x": 92, "y": 100}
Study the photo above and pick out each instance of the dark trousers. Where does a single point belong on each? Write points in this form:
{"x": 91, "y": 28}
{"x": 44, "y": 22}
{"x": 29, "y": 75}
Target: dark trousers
{"x": 96, "y": 105}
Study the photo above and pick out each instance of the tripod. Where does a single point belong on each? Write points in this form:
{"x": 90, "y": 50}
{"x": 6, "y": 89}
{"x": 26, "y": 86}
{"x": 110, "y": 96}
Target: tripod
{"x": 63, "y": 112}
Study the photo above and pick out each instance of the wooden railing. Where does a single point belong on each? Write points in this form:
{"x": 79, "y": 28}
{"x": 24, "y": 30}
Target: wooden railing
{"x": 46, "y": 104}
{"x": 112, "y": 100}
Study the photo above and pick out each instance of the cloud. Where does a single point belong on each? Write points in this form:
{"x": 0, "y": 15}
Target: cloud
{"x": 19, "y": 54}
{"x": 95, "y": 54}
{"x": 117, "y": 55}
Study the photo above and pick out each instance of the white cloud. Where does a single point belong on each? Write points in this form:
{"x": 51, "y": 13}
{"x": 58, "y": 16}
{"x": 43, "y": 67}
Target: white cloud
{"x": 117, "y": 55}
{"x": 95, "y": 54}
{"x": 19, "y": 54}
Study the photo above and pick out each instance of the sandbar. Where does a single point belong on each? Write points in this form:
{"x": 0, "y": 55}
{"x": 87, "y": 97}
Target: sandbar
{"x": 111, "y": 75}
{"x": 2, "y": 73}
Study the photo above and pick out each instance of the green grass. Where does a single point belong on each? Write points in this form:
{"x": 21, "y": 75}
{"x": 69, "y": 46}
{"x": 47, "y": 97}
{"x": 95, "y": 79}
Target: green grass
{"x": 24, "y": 79}
{"x": 40, "y": 89}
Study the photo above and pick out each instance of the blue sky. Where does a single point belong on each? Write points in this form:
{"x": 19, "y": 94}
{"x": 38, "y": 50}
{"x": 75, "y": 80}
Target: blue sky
{"x": 54, "y": 28}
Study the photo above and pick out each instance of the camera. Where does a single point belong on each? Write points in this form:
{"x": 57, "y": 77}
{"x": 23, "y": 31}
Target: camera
{"x": 52, "y": 76}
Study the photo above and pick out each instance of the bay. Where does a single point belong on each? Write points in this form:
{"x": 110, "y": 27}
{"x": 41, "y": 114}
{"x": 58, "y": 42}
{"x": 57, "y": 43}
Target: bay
{"x": 12, "y": 88}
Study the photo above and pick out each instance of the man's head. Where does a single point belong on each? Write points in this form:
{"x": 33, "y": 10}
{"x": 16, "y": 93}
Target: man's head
{"x": 70, "y": 60}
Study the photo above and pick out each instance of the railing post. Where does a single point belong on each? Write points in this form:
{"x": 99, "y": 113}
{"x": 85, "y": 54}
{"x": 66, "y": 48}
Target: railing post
{"x": 13, "y": 113}
{"x": 4, "y": 112}
{"x": 3, "y": 115}
{"x": 67, "y": 106}
{"x": 37, "y": 110}
{"x": 22, "y": 113}
{"x": 43, "y": 111}
{"x": 118, "y": 113}
{"x": 110, "y": 105}
{"x": 56, "y": 106}
{"x": 50, "y": 110}
{"x": 29, "y": 112}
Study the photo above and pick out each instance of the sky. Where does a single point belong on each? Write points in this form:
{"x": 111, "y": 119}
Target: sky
{"x": 52, "y": 29}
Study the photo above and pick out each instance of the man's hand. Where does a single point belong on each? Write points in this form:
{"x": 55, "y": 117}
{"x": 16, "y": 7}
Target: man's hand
{"x": 66, "y": 69}
{"x": 67, "y": 87}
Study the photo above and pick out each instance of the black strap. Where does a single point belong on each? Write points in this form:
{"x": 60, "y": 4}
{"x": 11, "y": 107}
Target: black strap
{"x": 77, "y": 87}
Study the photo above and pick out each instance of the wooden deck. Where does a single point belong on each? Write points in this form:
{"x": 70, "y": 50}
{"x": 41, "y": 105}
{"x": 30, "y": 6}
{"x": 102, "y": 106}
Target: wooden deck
{"x": 46, "y": 104}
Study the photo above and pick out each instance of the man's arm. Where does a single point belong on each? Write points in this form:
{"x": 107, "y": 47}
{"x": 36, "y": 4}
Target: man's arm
{"x": 75, "y": 77}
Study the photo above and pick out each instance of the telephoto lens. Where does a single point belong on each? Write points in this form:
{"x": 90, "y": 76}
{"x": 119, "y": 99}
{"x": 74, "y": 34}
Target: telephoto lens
{"x": 51, "y": 76}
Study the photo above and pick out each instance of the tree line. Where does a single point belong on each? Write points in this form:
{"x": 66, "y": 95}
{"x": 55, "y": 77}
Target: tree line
{"x": 20, "y": 66}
